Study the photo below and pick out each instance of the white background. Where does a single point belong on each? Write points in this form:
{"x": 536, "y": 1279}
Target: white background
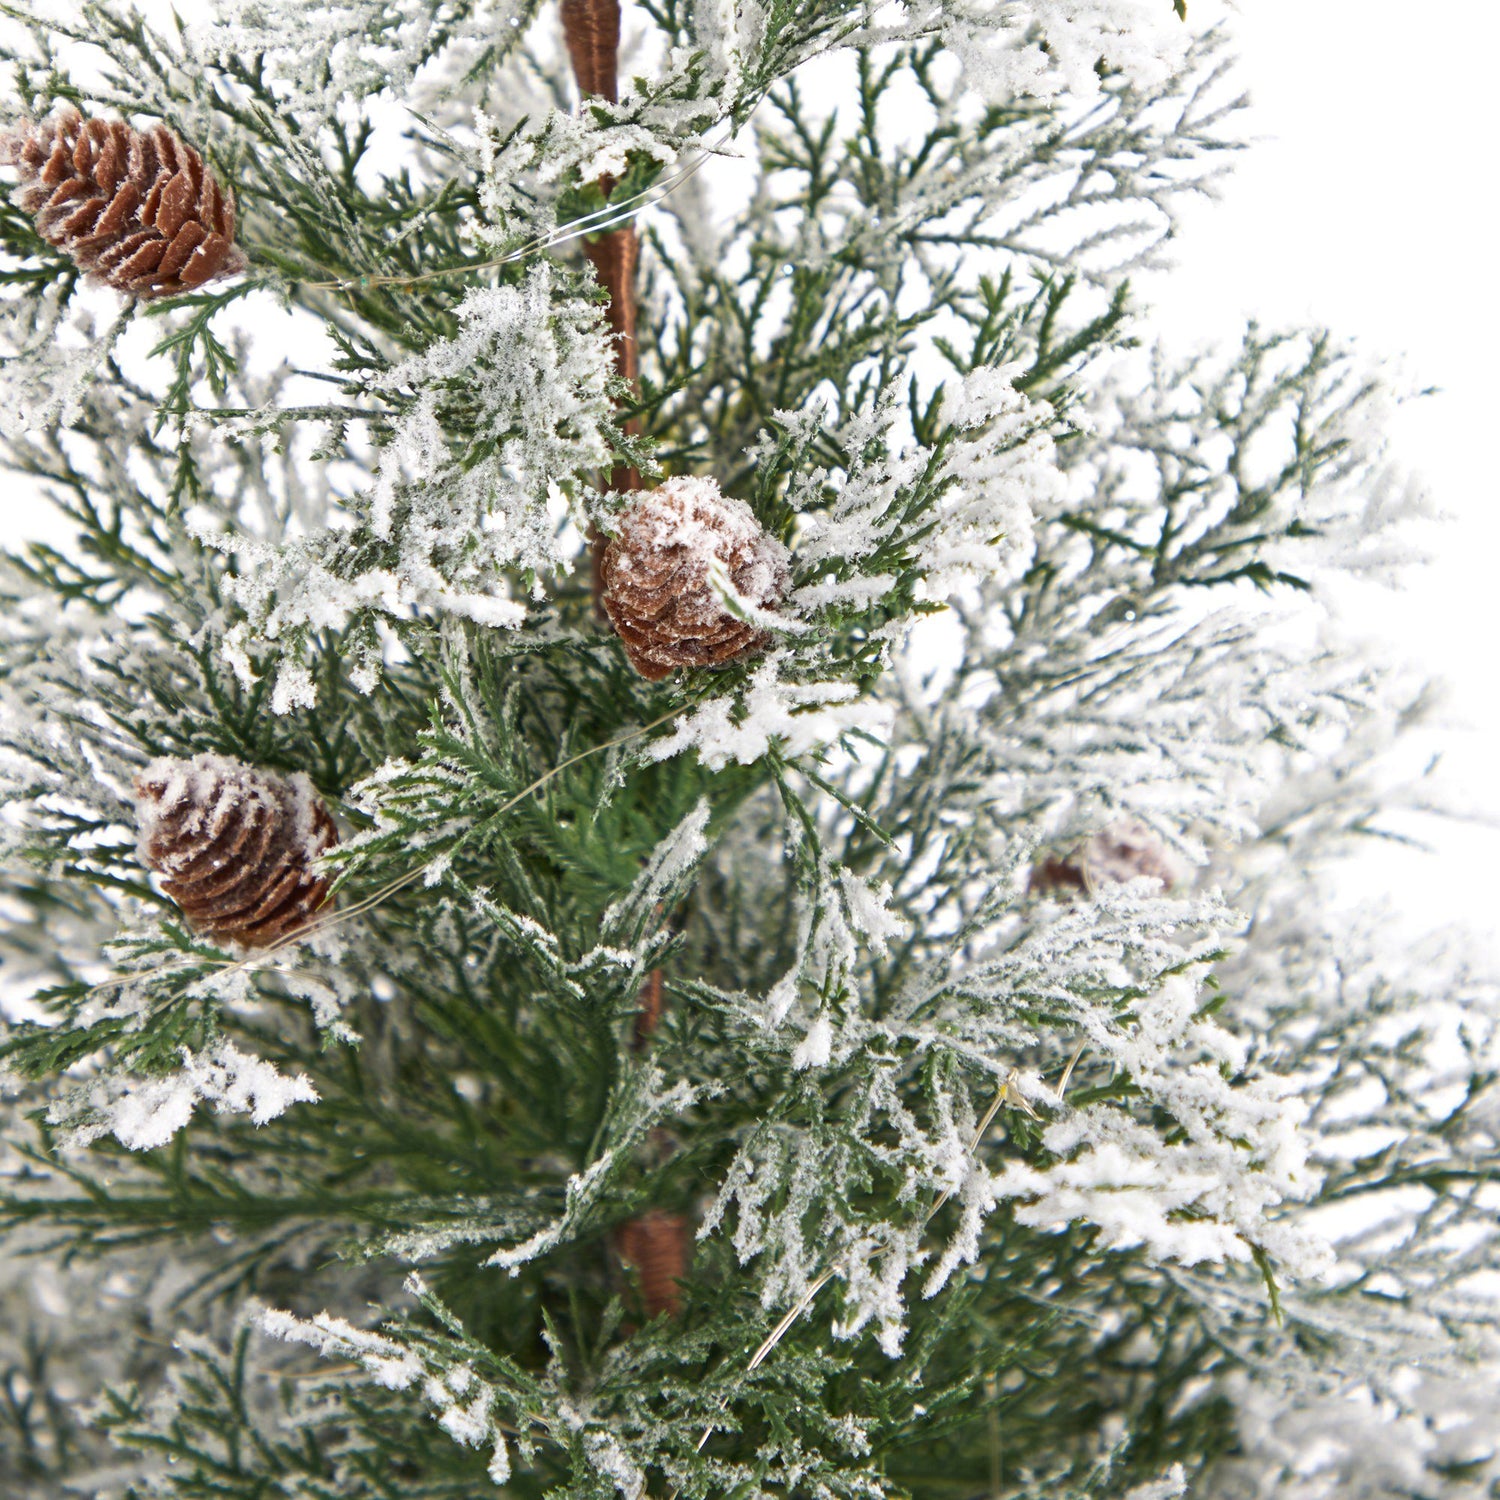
{"x": 1367, "y": 205}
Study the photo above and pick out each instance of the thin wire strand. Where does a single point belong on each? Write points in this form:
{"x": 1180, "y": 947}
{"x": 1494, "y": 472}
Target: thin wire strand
{"x": 1062, "y": 1083}
{"x": 611, "y": 216}
{"x": 790, "y": 1317}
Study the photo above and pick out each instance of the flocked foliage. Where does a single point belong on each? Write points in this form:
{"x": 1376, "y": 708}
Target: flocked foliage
{"x": 998, "y": 1185}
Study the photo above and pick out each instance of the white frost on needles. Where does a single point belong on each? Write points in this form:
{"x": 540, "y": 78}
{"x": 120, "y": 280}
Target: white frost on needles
{"x": 775, "y": 709}
{"x": 933, "y": 518}
{"x": 643, "y": 1102}
{"x": 50, "y": 355}
{"x": 1054, "y": 48}
{"x": 1236, "y": 1158}
{"x": 143, "y": 1113}
{"x": 1212, "y": 1185}
{"x": 318, "y": 57}
{"x": 323, "y": 62}
{"x": 389, "y": 1364}
{"x": 529, "y": 373}
{"x": 462, "y": 1402}
{"x": 814, "y": 1050}
{"x": 1172, "y": 1484}
{"x": 963, "y": 513}
{"x": 1189, "y": 1202}
{"x": 526, "y": 380}
{"x": 1212, "y": 1193}
{"x": 667, "y": 871}
{"x": 1001, "y": 463}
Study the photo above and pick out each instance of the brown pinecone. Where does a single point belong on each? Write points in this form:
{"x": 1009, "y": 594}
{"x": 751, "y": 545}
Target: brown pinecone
{"x": 655, "y": 1246}
{"x": 234, "y": 846}
{"x": 136, "y": 209}
{"x": 1059, "y": 875}
{"x": 1124, "y": 851}
{"x": 655, "y": 577}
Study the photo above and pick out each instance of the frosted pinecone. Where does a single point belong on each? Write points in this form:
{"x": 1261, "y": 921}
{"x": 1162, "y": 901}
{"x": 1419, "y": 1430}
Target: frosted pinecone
{"x": 656, "y": 577}
{"x": 1126, "y": 850}
{"x": 234, "y": 846}
{"x": 136, "y": 209}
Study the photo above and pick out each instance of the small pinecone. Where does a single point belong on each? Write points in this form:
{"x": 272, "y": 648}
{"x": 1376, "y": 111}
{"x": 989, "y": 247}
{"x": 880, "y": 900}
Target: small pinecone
{"x": 655, "y": 1246}
{"x": 136, "y": 209}
{"x": 234, "y": 846}
{"x": 1059, "y": 875}
{"x": 655, "y": 577}
{"x": 1122, "y": 852}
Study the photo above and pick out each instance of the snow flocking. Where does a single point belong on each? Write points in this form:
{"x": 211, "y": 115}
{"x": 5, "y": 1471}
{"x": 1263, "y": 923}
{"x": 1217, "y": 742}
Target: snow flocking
{"x": 473, "y": 482}
{"x": 144, "y": 1113}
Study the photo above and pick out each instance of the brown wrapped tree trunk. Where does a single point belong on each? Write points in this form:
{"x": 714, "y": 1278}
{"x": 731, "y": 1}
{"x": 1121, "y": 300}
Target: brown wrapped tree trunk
{"x": 592, "y": 31}
{"x": 655, "y": 1244}
{"x": 648, "y": 1017}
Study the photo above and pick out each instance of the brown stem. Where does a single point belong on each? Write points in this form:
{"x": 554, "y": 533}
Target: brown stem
{"x": 591, "y": 29}
{"x": 615, "y": 257}
{"x": 648, "y": 1013}
{"x": 655, "y": 1243}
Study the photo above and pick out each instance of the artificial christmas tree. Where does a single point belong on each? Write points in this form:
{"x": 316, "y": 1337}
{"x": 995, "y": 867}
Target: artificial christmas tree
{"x": 691, "y": 890}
